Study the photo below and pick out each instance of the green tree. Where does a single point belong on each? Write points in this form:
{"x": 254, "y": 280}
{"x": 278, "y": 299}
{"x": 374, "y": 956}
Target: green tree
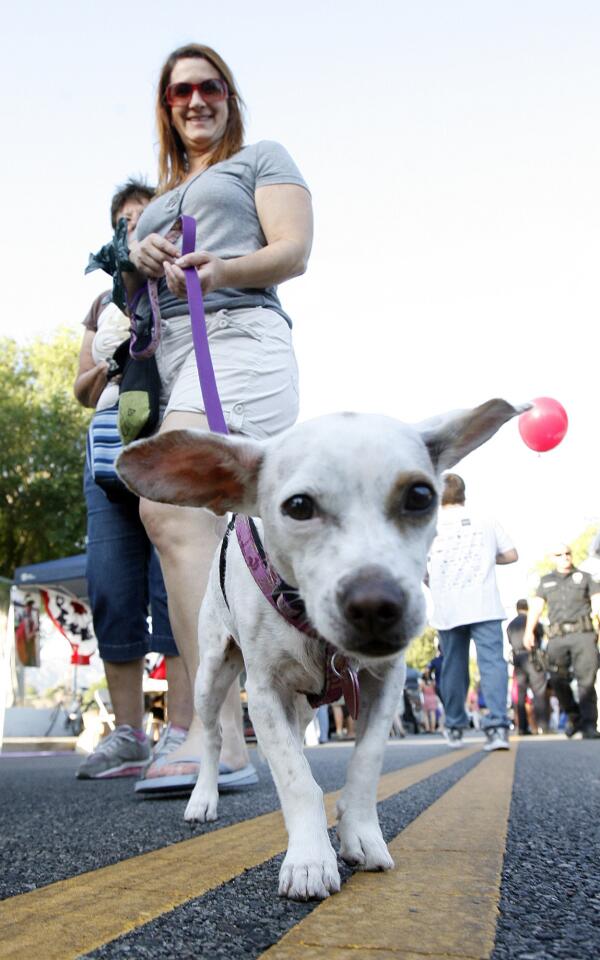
{"x": 42, "y": 510}
{"x": 422, "y": 649}
{"x": 580, "y": 547}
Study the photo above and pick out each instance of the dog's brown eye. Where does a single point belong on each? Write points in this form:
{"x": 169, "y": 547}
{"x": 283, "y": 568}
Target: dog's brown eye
{"x": 299, "y": 507}
{"x": 419, "y": 498}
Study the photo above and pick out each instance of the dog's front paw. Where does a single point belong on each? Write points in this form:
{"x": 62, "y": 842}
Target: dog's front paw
{"x": 363, "y": 846}
{"x": 306, "y": 878}
{"x": 202, "y": 806}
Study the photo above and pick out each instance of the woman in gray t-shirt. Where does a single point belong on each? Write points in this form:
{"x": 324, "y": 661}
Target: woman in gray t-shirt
{"x": 254, "y": 230}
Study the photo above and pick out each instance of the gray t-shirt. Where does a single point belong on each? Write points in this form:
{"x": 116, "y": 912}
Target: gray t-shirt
{"x": 221, "y": 199}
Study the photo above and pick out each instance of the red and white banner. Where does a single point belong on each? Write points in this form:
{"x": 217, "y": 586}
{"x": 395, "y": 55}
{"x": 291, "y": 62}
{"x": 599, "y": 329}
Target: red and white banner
{"x": 71, "y": 617}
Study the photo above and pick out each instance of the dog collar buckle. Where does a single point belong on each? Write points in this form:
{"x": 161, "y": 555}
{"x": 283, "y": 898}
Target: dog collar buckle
{"x": 288, "y": 602}
{"x": 284, "y": 598}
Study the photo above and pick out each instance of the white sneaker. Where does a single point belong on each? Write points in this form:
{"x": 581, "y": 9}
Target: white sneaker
{"x": 453, "y": 737}
{"x": 497, "y": 739}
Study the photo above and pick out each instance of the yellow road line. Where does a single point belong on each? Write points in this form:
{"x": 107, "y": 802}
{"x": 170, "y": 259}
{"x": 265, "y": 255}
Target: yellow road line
{"x": 441, "y": 902}
{"x": 71, "y": 917}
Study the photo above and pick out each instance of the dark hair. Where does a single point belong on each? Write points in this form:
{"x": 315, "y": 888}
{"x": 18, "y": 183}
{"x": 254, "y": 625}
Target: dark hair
{"x": 172, "y": 158}
{"x": 132, "y": 189}
{"x": 454, "y": 489}
{"x": 522, "y": 605}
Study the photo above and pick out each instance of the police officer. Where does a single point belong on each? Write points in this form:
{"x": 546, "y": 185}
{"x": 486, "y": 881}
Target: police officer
{"x": 573, "y": 597}
{"x": 529, "y": 670}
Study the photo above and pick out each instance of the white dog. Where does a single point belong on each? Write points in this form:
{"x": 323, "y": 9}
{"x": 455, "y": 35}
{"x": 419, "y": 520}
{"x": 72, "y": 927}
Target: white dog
{"x": 348, "y": 505}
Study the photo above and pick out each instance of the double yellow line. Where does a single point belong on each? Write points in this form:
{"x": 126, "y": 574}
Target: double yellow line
{"x": 448, "y": 861}
{"x": 440, "y": 902}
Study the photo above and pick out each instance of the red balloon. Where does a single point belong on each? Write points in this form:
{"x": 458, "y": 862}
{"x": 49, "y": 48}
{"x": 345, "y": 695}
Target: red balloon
{"x": 544, "y": 426}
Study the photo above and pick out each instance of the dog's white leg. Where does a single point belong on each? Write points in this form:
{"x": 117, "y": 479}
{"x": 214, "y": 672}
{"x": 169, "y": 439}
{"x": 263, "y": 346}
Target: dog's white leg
{"x": 304, "y": 714}
{"x": 220, "y": 664}
{"x": 361, "y": 840}
{"x": 310, "y": 869}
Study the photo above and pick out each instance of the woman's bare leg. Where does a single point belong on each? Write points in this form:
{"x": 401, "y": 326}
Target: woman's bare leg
{"x": 125, "y": 687}
{"x": 180, "y": 708}
{"x": 186, "y": 540}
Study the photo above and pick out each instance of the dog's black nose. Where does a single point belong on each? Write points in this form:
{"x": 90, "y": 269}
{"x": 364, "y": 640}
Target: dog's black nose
{"x": 372, "y": 603}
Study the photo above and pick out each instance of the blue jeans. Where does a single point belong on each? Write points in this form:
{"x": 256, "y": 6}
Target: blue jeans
{"x": 493, "y": 670}
{"x": 124, "y": 580}
{"x": 323, "y": 718}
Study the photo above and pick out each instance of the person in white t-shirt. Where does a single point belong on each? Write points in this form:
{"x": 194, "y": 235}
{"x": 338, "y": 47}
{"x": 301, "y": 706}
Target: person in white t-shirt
{"x": 467, "y": 606}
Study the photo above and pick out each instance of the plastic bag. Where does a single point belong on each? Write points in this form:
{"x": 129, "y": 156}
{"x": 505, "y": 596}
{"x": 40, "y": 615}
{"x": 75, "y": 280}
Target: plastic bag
{"x": 113, "y": 258}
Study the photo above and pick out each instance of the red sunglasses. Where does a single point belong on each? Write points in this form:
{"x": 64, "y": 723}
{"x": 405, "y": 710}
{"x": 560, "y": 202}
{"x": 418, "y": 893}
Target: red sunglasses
{"x": 180, "y": 94}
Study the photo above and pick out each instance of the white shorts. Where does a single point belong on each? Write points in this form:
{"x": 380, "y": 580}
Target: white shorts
{"x": 254, "y": 363}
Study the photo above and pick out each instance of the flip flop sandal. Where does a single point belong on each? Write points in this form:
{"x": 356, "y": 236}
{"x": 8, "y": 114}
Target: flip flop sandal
{"x": 231, "y": 780}
{"x": 183, "y": 783}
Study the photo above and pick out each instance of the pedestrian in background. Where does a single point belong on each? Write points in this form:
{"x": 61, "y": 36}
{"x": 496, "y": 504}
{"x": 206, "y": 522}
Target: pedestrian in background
{"x": 467, "y": 606}
{"x": 122, "y": 568}
{"x": 435, "y": 669}
{"x": 529, "y": 671}
{"x": 323, "y": 722}
{"x": 430, "y": 702}
{"x": 591, "y": 564}
{"x": 473, "y": 707}
{"x": 573, "y": 597}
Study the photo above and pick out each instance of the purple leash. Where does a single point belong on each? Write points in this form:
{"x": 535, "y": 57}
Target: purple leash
{"x": 206, "y": 373}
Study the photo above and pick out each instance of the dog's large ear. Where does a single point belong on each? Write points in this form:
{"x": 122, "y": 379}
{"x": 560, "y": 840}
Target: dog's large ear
{"x": 191, "y": 468}
{"x": 451, "y": 436}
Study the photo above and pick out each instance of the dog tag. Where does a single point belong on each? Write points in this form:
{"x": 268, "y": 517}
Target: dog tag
{"x": 351, "y": 691}
{"x": 348, "y": 679}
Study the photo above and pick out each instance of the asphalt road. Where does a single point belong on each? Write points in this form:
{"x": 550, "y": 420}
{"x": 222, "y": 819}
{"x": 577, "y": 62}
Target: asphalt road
{"x": 543, "y": 903}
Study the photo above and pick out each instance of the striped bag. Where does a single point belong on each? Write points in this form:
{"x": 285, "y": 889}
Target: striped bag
{"x": 104, "y": 445}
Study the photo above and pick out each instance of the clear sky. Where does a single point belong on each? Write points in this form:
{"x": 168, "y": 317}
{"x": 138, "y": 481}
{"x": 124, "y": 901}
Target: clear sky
{"x": 453, "y": 151}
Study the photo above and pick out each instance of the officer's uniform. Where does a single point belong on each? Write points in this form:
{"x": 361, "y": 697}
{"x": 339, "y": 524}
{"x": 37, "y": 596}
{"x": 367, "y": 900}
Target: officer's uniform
{"x": 572, "y": 643}
{"x": 528, "y": 672}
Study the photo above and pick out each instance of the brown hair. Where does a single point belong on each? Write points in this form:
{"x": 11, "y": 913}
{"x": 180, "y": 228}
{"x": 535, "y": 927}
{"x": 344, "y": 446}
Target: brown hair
{"x": 132, "y": 189}
{"x": 172, "y": 158}
{"x": 454, "y": 489}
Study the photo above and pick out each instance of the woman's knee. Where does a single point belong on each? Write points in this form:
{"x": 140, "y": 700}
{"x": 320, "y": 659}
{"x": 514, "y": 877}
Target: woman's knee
{"x": 163, "y": 523}
{"x": 170, "y": 528}
{"x": 150, "y": 517}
